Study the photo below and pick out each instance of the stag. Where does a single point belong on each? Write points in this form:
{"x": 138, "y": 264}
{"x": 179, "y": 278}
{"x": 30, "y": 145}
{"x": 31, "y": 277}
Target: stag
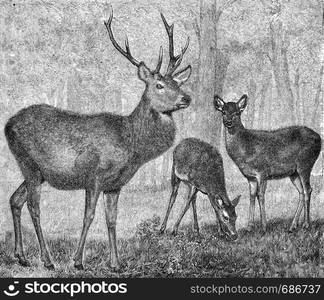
{"x": 95, "y": 152}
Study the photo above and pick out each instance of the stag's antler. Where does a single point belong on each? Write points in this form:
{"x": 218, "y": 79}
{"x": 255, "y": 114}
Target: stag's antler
{"x": 174, "y": 61}
{"x": 127, "y": 53}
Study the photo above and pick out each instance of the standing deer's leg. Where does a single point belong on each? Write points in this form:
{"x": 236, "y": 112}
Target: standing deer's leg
{"x": 175, "y": 182}
{"x": 253, "y": 184}
{"x": 261, "y": 191}
{"x": 111, "y": 216}
{"x": 194, "y": 211}
{"x": 89, "y": 213}
{"x": 34, "y": 211}
{"x": 192, "y": 194}
{"x": 305, "y": 180}
{"x": 17, "y": 201}
{"x": 295, "y": 179}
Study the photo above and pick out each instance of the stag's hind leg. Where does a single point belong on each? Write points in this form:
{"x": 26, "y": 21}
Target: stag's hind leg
{"x": 295, "y": 179}
{"x": 17, "y": 201}
{"x": 33, "y": 199}
{"x": 89, "y": 213}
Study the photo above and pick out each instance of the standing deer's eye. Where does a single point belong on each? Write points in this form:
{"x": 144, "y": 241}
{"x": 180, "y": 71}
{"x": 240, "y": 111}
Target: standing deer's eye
{"x": 159, "y": 86}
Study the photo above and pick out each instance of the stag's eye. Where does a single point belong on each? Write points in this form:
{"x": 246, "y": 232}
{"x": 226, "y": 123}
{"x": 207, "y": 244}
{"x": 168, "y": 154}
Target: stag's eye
{"x": 159, "y": 86}
{"x": 226, "y": 218}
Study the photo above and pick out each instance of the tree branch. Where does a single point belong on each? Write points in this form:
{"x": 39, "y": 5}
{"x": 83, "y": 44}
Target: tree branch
{"x": 222, "y": 8}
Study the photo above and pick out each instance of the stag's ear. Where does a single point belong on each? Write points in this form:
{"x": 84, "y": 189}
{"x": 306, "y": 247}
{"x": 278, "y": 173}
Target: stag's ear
{"x": 144, "y": 72}
{"x": 219, "y": 103}
{"x": 242, "y": 102}
{"x": 236, "y": 200}
{"x": 182, "y": 76}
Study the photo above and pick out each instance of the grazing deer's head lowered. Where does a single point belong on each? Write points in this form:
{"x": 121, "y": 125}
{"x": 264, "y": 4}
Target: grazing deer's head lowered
{"x": 199, "y": 166}
{"x": 162, "y": 91}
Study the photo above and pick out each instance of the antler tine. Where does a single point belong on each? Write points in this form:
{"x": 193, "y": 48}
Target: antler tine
{"x": 174, "y": 61}
{"x": 126, "y": 53}
{"x": 159, "y": 64}
{"x": 179, "y": 58}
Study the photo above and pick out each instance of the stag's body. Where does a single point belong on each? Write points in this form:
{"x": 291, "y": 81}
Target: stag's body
{"x": 264, "y": 155}
{"x": 98, "y": 152}
{"x": 70, "y": 150}
{"x": 200, "y": 166}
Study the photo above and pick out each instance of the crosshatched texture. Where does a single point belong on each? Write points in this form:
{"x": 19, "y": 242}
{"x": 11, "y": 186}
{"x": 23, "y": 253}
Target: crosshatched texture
{"x": 60, "y": 54}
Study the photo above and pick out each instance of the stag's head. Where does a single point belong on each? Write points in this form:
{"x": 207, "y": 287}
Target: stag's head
{"x": 163, "y": 92}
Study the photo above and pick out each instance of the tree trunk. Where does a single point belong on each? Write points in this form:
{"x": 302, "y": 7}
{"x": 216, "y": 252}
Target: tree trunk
{"x": 211, "y": 75}
{"x": 252, "y": 98}
{"x": 279, "y": 62}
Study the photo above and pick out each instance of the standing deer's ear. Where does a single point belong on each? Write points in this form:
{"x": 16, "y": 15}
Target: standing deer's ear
{"x": 144, "y": 72}
{"x": 242, "y": 102}
{"x": 236, "y": 200}
{"x": 219, "y": 103}
{"x": 182, "y": 76}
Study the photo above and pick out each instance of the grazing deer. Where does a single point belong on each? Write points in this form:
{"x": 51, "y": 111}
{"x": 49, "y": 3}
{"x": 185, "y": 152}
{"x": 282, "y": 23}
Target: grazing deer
{"x": 96, "y": 152}
{"x": 264, "y": 155}
{"x": 200, "y": 166}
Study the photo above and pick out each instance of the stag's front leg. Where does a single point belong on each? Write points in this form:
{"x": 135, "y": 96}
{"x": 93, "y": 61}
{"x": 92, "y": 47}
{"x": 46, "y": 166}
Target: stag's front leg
{"x": 34, "y": 211}
{"x": 111, "y": 217}
{"x": 253, "y": 193}
{"x": 89, "y": 213}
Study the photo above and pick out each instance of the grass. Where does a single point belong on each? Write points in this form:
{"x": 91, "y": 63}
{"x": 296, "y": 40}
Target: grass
{"x": 276, "y": 253}
{"x": 145, "y": 253}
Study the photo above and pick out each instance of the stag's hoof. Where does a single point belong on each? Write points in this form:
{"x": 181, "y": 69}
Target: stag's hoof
{"x": 79, "y": 267}
{"x": 22, "y": 260}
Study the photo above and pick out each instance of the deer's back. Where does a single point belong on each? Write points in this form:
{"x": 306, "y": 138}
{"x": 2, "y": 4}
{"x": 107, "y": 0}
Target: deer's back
{"x": 67, "y": 145}
{"x": 274, "y": 153}
{"x": 200, "y": 164}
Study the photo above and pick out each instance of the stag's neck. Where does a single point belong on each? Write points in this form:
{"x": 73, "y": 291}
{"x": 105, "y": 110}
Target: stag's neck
{"x": 152, "y": 133}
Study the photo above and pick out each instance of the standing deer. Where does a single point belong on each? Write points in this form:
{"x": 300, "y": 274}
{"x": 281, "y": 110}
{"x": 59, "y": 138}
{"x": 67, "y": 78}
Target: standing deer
{"x": 264, "y": 155}
{"x": 97, "y": 152}
{"x": 200, "y": 166}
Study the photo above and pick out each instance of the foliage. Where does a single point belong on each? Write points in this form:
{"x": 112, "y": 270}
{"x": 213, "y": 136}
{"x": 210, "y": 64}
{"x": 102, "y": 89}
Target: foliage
{"x": 276, "y": 253}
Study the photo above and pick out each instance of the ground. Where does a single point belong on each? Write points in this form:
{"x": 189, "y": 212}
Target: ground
{"x": 146, "y": 253}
